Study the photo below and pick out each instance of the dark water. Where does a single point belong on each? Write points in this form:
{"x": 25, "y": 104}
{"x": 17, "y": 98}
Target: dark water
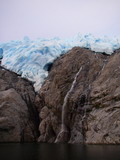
{"x": 58, "y": 152}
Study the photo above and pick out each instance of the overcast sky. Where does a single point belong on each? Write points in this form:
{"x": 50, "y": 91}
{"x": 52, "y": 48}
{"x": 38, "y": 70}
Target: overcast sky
{"x": 63, "y": 18}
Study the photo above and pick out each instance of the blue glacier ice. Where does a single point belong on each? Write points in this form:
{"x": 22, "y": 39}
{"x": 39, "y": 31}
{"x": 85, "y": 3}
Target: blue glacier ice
{"x": 30, "y": 58}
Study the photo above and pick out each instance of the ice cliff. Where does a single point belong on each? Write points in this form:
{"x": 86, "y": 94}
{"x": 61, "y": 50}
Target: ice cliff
{"x": 29, "y": 58}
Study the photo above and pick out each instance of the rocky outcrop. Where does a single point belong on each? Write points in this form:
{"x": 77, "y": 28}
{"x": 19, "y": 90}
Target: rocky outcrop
{"x": 18, "y": 116}
{"x": 79, "y": 101}
{"x": 105, "y": 98}
{"x": 92, "y": 111}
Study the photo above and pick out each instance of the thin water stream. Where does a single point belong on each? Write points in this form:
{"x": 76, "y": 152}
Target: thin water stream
{"x": 63, "y": 126}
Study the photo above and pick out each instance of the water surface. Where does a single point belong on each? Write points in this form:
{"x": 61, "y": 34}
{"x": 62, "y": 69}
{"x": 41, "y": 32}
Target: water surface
{"x": 34, "y": 151}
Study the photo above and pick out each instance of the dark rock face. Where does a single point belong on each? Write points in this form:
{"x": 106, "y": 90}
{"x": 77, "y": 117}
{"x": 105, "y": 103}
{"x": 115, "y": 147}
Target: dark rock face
{"x": 18, "y": 116}
{"x": 92, "y": 113}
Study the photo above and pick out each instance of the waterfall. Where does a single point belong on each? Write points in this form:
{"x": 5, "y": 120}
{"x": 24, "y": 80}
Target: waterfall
{"x": 103, "y": 66}
{"x": 63, "y": 126}
{"x": 66, "y": 99}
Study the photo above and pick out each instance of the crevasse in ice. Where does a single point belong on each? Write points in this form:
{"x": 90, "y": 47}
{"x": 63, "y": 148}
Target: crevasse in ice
{"x": 1, "y": 53}
{"x": 28, "y": 58}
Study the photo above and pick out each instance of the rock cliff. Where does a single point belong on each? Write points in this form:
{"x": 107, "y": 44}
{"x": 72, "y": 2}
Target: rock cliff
{"x": 18, "y": 117}
{"x": 92, "y": 111}
{"x": 79, "y": 101}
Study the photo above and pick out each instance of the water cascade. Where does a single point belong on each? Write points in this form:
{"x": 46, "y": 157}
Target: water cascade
{"x": 64, "y": 132}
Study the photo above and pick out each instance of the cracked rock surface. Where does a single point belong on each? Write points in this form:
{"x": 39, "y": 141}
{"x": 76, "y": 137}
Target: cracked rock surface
{"x": 18, "y": 116}
{"x": 92, "y": 112}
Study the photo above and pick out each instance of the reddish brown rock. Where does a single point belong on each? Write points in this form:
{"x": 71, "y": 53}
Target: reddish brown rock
{"x": 105, "y": 98}
{"x": 93, "y": 108}
{"x": 18, "y": 116}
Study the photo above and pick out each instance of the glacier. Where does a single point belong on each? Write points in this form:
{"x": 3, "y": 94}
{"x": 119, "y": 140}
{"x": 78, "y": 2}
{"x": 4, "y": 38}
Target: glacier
{"x": 29, "y": 58}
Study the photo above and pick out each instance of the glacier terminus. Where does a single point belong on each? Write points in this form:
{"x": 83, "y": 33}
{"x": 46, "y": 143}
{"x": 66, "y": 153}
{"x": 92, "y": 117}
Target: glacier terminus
{"x": 29, "y": 58}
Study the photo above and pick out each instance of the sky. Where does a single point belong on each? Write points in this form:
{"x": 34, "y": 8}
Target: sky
{"x": 58, "y": 18}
